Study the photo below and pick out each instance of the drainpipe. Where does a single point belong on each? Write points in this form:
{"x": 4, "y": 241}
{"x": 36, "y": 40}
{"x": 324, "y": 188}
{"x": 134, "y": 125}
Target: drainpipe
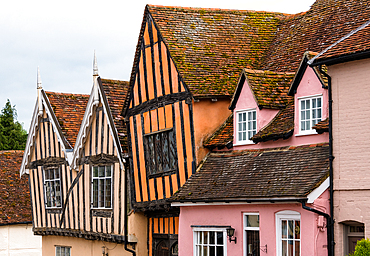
{"x": 327, "y": 217}
{"x": 125, "y": 210}
{"x": 331, "y": 158}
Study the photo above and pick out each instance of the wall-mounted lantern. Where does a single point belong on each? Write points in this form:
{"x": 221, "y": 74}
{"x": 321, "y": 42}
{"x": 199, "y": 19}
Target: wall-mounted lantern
{"x": 230, "y": 233}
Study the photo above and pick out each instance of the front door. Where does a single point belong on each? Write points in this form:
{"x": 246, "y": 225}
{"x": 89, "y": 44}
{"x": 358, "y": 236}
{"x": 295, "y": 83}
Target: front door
{"x": 162, "y": 249}
{"x": 352, "y": 241}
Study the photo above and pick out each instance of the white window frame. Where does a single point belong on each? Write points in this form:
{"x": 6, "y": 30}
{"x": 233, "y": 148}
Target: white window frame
{"x": 54, "y": 189}
{"x": 286, "y": 215}
{"x": 100, "y": 179}
{"x": 245, "y": 249}
{"x": 247, "y": 140}
{"x": 65, "y": 250}
{"x": 214, "y": 229}
{"x": 300, "y": 99}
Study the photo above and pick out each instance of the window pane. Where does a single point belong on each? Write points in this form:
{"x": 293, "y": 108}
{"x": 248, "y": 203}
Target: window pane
{"x": 303, "y": 116}
{"x": 240, "y": 126}
{"x": 205, "y": 250}
{"x": 297, "y": 229}
{"x": 249, "y": 126}
{"x": 95, "y": 171}
{"x": 240, "y": 136}
{"x": 308, "y": 127}
{"x": 319, "y": 102}
{"x": 244, "y": 117}
{"x": 240, "y": 117}
{"x": 284, "y": 250}
{"x": 290, "y": 247}
{"x": 297, "y": 248}
{"x": 220, "y": 251}
{"x": 284, "y": 228}
{"x": 108, "y": 186}
{"x": 313, "y": 103}
{"x": 254, "y": 125}
{"x": 319, "y": 114}
{"x": 212, "y": 237}
{"x": 101, "y": 171}
{"x": 308, "y": 104}
{"x": 290, "y": 229}
{"x": 51, "y": 173}
{"x": 249, "y": 116}
{"x": 314, "y": 113}
{"x": 244, "y": 135}
{"x": 302, "y": 105}
{"x": 220, "y": 238}
{"x": 254, "y": 115}
{"x": 95, "y": 193}
{"x": 244, "y": 126}
{"x": 303, "y": 126}
{"x": 212, "y": 250}
{"x": 205, "y": 237}
{"x": 108, "y": 171}
{"x": 201, "y": 237}
{"x": 101, "y": 193}
{"x": 253, "y": 221}
{"x": 56, "y": 173}
{"x": 57, "y": 251}
{"x": 68, "y": 251}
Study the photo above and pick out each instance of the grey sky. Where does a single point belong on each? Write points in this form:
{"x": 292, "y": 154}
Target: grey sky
{"x": 61, "y": 36}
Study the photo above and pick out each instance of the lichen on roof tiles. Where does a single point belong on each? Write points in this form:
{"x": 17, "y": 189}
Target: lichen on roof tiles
{"x": 211, "y": 46}
{"x": 15, "y": 202}
{"x": 222, "y": 136}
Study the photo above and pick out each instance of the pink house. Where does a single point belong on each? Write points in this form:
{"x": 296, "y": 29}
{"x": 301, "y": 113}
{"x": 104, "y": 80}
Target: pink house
{"x": 263, "y": 189}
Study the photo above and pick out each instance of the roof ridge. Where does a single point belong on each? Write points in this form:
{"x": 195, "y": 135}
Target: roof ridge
{"x": 213, "y": 9}
{"x": 64, "y": 93}
{"x": 11, "y": 151}
{"x": 108, "y": 79}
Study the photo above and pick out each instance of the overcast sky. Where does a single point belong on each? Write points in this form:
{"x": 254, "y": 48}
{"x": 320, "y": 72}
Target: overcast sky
{"x": 60, "y": 37}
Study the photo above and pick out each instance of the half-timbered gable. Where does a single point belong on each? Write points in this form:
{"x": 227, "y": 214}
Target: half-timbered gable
{"x": 74, "y": 156}
{"x": 185, "y": 70}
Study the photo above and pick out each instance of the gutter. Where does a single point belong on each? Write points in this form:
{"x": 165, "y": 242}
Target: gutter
{"x": 16, "y": 223}
{"x": 125, "y": 210}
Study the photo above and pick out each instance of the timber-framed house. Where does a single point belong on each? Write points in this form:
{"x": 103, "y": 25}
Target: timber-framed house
{"x": 75, "y": 160}
{"x": 186, "y": 66}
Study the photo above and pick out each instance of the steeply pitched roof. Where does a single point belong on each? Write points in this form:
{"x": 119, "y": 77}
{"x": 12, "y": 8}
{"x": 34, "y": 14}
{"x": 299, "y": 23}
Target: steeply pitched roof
{"x": 222, "y": 136}
{"x": 270, "y": 89}
{"x": 314, "y": 30}
{"x": 258, "y": 174}
{"x": 69, "y": 109}
{"x": 116, "y": 92}
{"x": 349, "y": 47}
{"x": 281, "y": 126}
{"x": 322, "y": 126}
{"x": 211, "y": 46}
{"x": 15, "y": 202}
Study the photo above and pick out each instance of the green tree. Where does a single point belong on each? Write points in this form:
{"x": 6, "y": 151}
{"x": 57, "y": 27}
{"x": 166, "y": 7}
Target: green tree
{"x": 362, "y": 248}
{"x": 12, "y": 134}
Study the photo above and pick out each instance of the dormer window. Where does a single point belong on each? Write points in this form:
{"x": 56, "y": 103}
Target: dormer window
{"x": 310, "y": 113}
{"x": 246, "y": 126}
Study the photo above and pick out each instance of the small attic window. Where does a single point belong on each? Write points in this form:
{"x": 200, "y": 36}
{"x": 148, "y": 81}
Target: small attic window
{"x": 246, "y": 126}
{"x": 310, "y": 113}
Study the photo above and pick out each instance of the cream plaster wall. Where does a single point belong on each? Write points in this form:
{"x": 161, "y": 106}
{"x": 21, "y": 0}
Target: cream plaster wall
{"x": 137, "y": 227}
{"x": 17, "y": 240}
{"x": 351, "y": 145}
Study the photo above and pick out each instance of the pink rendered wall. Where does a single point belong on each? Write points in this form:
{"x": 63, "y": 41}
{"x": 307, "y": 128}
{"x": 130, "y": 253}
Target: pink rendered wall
{"x": 310, "y": 86}
{"x": 312, "y": 239}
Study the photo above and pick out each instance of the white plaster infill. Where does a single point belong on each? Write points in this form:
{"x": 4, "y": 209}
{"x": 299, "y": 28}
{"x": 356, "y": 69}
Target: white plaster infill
{"x": 318, "y": 191}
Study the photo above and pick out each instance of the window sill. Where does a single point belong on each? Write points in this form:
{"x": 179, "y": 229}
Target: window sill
{"x": 249, "y": 142}
{"x": 307, "y": 133}
{"x": 107, "y": 213}
{"x": 161, "y": 174}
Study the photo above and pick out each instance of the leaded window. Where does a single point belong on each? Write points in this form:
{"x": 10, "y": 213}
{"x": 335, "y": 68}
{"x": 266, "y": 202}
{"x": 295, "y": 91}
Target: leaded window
{"x": 102, "y": 187}
{"x": 52, "y": 188}
{"x": 160, "y": 152}
{"x": 62, "y": 251}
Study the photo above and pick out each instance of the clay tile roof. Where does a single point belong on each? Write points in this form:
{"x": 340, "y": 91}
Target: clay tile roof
{"x": 281, "y": 126}
{"x": 322, "y": 126}
{"x": 211, "y": 46}
{"x": 270, "y": 88}
{"x": 116, "y": 92}
{"x": 258, "y": 174}
{"x": 325, "y": 23}
{"x": 69, "y": 109}
{"x": 355, "y": 42}
{"x": 222, "y": 136}
{"x": 15, "y": 202}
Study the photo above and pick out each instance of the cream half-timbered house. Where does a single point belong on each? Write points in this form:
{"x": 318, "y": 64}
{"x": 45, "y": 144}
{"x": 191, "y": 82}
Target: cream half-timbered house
{"x": 75, "y": 160}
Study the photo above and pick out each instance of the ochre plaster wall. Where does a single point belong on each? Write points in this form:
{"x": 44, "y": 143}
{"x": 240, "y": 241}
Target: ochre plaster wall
{"x": 351, "y": 145}
{"x": 208, "y": 117}
{"x": 313, "y": 241}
